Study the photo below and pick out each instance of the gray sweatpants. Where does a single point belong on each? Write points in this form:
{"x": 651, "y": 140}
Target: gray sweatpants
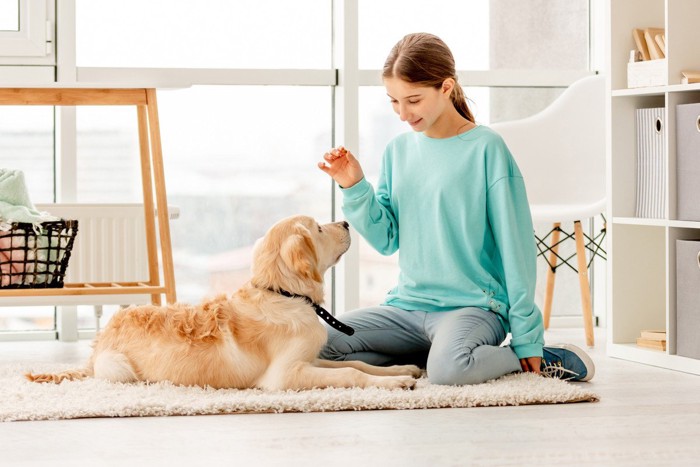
{"x": 456, "y": 347}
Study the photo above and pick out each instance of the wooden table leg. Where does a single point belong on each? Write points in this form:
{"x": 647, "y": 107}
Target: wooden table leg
{"x": 149, "y": 209}
{"x": 161, "y": 197}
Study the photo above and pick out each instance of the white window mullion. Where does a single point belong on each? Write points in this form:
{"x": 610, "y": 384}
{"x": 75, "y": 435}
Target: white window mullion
{"x": 66, "y": 155}
{"x": 66, "y": 116}
{"x": 66, "y": 43}
{"x": 347, "y": 133}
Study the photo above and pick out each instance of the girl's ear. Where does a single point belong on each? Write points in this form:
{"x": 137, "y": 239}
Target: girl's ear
{"x": 448, "y": 85}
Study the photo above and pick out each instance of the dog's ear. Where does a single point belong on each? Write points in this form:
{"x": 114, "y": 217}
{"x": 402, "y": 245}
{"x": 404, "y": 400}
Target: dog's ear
{"x": 299, "y": 254}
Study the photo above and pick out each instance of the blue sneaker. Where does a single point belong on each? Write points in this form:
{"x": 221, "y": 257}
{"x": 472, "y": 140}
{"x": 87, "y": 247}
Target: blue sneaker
{"x": 567, "y": 362}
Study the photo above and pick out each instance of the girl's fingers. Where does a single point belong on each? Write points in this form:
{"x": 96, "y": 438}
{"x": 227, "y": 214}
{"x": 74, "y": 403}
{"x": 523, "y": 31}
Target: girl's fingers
{"x": 336, "y": 153}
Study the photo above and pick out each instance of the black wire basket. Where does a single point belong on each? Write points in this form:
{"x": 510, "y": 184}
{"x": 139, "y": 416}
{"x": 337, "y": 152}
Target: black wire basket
{"x": 36, "y": 256}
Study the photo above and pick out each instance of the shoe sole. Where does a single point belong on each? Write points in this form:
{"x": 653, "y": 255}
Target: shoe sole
{"x": 580, "y": 353}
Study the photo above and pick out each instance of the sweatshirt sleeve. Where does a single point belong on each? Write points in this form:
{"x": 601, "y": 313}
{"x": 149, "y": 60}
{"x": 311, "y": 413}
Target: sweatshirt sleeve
{"x": 372, "y": 214}
{"x": 511, "y": 221}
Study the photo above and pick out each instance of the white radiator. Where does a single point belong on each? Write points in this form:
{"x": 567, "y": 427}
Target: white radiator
{"x": 110, "y": 245}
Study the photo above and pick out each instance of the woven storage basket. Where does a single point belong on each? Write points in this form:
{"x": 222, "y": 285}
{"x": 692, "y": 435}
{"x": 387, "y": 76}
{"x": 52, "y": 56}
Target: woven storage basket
{"x": 36, "y": 257}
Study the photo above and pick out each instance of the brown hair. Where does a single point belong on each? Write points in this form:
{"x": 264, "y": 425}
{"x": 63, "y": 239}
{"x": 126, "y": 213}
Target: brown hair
{"x": 425, "y": 60}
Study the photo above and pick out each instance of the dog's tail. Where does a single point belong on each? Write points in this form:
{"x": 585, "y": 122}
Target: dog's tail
{"x": 70, "y": 375}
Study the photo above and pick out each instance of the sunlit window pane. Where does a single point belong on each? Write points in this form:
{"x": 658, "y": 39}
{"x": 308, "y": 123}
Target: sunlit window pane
{"x": 237, "y": 160}
{"x": 482, "y": 34}
{"x": 26, "y": 318}
{"x": 204, "y": 34}
{"x": 9, "y": 15}
{"x": 463, "y": 25}
{"x": 26, "y": 144}
{"x": 108, "y": 155}
{"x": 532, "y": 34}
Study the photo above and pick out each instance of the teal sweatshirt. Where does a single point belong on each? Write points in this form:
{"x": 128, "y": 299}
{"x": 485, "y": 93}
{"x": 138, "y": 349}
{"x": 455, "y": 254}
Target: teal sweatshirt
{"x": 458, "y": 210}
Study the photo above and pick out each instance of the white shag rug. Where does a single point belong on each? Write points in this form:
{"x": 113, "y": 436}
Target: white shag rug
{"x": 23, "y": 400}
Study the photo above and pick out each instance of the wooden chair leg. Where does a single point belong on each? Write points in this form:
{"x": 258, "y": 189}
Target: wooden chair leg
{"x": 551, "y": 275}
{"x": 583, "y": 283}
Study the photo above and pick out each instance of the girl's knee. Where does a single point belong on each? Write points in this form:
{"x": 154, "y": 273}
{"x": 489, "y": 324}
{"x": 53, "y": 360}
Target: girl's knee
{"x": 454, "y": 376}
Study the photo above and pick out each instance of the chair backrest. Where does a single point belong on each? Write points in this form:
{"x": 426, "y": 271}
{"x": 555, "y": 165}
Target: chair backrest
{"x": 561, "y": 150}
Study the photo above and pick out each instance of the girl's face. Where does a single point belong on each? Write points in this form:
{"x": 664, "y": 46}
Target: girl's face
{"x": 420, "y": 106}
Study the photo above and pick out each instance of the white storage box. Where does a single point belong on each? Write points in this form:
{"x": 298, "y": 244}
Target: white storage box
{"x": 687, "y": 298}
{"x": 646, "y": 73}
{"x": 651, "y": 163}
{"x": 688, "y": 161}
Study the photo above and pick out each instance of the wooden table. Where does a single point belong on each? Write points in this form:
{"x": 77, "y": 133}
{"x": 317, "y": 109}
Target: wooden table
{"x": 153, "y": 181}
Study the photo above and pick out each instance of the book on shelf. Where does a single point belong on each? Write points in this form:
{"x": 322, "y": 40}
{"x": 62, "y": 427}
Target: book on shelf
{"x": 690, "y": 77}
{"x": 641, "y": 43}
{"x": 654, "y": 335}
{"x": 656, "y": 51}
{"x": 651, "y": 343}
{"x": 650, "y": 42}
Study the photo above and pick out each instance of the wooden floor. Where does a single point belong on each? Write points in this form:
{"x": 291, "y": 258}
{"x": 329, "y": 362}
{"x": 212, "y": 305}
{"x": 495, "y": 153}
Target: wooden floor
{"x": 647, "y": 416}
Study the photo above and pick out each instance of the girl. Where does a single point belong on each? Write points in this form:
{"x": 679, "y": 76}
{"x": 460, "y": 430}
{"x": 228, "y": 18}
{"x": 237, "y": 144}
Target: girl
{"x": 452, "y": 197}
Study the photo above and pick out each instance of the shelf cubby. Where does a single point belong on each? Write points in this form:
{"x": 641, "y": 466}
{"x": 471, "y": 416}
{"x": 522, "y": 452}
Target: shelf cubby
{"x": 642, "y": 251}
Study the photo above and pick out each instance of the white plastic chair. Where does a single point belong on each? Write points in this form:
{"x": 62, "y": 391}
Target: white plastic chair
{"x": 561, "y": 154}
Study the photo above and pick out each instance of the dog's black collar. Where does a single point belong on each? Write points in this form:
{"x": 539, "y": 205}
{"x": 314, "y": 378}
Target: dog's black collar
{"x": 320, "y": 311}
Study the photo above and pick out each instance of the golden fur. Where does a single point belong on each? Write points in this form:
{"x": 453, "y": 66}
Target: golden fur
{"x": 255, "y": 338}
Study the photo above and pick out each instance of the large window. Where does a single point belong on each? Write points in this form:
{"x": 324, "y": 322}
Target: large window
{"x": 241, "y": 154}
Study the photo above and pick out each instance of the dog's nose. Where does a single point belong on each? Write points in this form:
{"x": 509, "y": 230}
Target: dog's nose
{"x": 346, "y": 225}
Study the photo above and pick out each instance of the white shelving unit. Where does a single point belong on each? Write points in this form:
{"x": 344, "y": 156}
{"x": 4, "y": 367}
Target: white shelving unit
{"x": 642, "y": 252}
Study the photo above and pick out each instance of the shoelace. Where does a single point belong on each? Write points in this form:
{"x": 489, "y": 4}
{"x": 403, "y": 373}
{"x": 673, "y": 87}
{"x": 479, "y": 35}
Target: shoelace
{"x": 556, "y": 370}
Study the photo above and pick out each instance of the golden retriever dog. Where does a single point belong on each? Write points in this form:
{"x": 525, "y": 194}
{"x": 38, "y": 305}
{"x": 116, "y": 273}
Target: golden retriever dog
{"x": 266, "y": 335}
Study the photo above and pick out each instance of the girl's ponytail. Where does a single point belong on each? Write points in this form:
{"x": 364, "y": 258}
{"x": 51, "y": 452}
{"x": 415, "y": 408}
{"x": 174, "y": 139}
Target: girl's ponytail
{"x": 460, "y": 102}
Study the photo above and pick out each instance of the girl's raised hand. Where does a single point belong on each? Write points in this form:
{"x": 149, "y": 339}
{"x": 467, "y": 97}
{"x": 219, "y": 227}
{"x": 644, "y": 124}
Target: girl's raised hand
{"x": 340, "y": 164}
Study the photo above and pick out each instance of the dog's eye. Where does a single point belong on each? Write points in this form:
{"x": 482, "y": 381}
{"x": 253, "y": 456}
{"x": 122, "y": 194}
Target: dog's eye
{"x": 320, "y": 229}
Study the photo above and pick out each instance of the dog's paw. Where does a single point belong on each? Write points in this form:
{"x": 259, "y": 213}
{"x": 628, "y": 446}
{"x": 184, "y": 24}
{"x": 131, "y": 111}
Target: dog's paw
{"x": 406, "y": 370}
{"x": 398, "y": 382}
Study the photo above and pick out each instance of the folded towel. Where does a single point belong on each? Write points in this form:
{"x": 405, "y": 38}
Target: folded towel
{"x": 15, "y": 205}
{"x": 13, "y": 189}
